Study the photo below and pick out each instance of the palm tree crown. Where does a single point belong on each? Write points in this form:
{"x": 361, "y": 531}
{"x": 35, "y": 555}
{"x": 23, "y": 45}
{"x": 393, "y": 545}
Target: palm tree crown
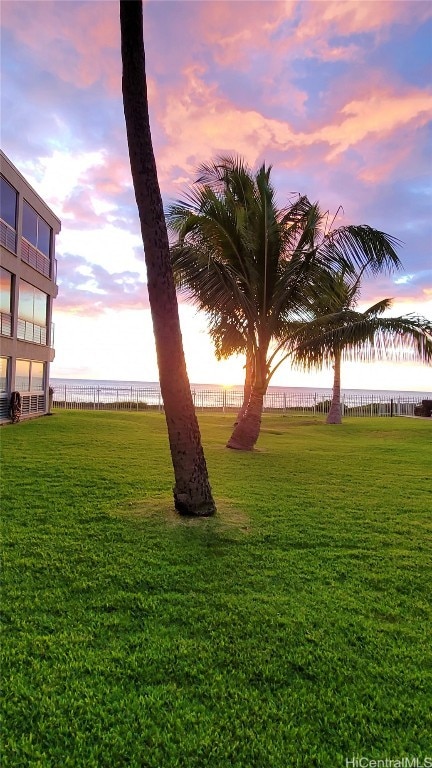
{"x": 340, "y": 332}
{"x": 252, "y": 266}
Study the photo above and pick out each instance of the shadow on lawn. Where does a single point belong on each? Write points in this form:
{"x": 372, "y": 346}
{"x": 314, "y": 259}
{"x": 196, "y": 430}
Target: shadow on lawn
{"x": 161, "y": 510}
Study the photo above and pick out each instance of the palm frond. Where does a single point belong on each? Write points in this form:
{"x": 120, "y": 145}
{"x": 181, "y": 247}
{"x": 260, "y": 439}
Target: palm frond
{"x": 257, "y": 270}
{"x": 361, "y": 247}
{"x": 362, "y": 337}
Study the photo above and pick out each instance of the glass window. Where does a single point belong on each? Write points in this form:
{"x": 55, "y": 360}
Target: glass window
{"x": 32, "y": 304}
{"x": 37, "y": 376}
{"x": 25, "y": 302}
{"x": 22, "y": 376}
{"x": 8, "y": 203}
{"x": 35, "y": 229}
{"x": 29, "y": 225}
{"x": 40, "y": 307}
{"x": 44, "y": 237}
{"x": 4, "y": 371}
{"x": 5, "y": 290}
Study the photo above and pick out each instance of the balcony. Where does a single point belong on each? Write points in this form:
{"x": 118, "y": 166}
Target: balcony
{"x": 7, "y": 236}
{"x": 5, "y": 324}
{"x": 35, "y": 258}
{"x": 27, "y": 331}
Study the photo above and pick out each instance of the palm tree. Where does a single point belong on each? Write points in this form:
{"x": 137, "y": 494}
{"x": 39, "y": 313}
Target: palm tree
{"x": 192, "y": 493}
{"x": 251, "y": 266}
{"x": 340, "y": 332}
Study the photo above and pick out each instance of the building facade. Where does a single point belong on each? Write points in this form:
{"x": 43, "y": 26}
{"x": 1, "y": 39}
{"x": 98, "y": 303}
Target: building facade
{"x": 28, "y": 274}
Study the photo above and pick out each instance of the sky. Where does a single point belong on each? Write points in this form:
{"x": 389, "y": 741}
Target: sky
{"x": 335, "y": 95}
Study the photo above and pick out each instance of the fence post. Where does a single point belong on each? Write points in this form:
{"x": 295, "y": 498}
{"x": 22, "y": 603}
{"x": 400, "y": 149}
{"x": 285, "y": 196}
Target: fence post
{"x": 391, "y": 406}
{"x": 65, "y": 387}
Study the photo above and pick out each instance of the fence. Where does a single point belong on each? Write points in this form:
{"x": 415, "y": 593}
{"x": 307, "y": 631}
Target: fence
{"x": 141, "y": 399}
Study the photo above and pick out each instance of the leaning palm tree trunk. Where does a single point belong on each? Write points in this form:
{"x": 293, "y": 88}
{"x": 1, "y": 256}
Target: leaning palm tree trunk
{"x": 192, "y": 493}
{"x": 246, "y": 432}
{"x": 335, "y": 412}
{"x": 247, "y": 389}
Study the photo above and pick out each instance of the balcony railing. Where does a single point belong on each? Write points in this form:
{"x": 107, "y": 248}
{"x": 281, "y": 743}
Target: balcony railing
{"x": 7, "y": 236}
{"x": 27, "y": 331}
{"x": 35, "y": 258}
{"x": 5, "y": 324}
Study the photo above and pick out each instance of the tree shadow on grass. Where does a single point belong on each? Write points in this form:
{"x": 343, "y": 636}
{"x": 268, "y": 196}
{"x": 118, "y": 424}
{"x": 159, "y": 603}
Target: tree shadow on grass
{"x": 228, "y": 520}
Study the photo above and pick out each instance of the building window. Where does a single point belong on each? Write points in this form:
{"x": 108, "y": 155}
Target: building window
{"x": 8, "y": 215}
{"x": 29, "y": 376}
{"x": 5, "y": 290}
{"x": 32, "y": 314}
{"x": 22, "y": 376}
{"x": 37, "y": 371}
{"x": 5, "y": 302}
{"x": 32, "y": 304}
{"x": 8, "y": 203}
{"x": 4, "y": 374}
{"x": 36, "y": 230}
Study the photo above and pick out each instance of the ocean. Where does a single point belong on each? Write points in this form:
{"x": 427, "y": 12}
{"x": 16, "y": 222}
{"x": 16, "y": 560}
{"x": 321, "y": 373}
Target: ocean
{"x": 217, "y": 395}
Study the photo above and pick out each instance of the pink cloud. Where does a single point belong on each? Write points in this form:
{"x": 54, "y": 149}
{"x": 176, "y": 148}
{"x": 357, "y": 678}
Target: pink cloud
{"x": 382, "y": 165}
{"x": 109, "y": 178}
{"x": 89, "y": 288}
{"x": 227, "y": 29}
{"x": 231, "y": 34}
{"x": 380, "y": 114}
{"x": 191, "y": 119}
{"x": 347, "y": 18}
{"x": 81, "y": 45}
{"x": 363, "y": 132}
{"x": 285, "y": 30}
{"x": 78, "y": 41}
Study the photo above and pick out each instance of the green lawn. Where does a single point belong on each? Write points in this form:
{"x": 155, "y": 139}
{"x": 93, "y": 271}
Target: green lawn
{"x": 293, "y": 629}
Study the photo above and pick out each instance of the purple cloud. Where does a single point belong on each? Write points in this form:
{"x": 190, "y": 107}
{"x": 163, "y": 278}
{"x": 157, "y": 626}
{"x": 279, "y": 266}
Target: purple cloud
{"x": 91, "y": 289}
{"x": 317, "y": 89}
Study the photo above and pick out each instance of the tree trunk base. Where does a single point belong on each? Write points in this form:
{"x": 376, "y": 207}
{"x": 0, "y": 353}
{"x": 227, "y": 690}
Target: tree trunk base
{"x": 247, "y": 431}
{"x": 187, "y": 508}
{"x": 333, "y": 419}
{"x": 237, "y": 446}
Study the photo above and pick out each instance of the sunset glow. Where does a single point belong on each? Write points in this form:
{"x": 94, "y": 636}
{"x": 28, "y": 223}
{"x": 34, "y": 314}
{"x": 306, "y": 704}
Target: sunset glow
{"x": 335, "y": 95}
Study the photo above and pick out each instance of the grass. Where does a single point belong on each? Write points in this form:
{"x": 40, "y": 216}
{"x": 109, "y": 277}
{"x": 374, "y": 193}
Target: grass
{"x": 293, "y": 629}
